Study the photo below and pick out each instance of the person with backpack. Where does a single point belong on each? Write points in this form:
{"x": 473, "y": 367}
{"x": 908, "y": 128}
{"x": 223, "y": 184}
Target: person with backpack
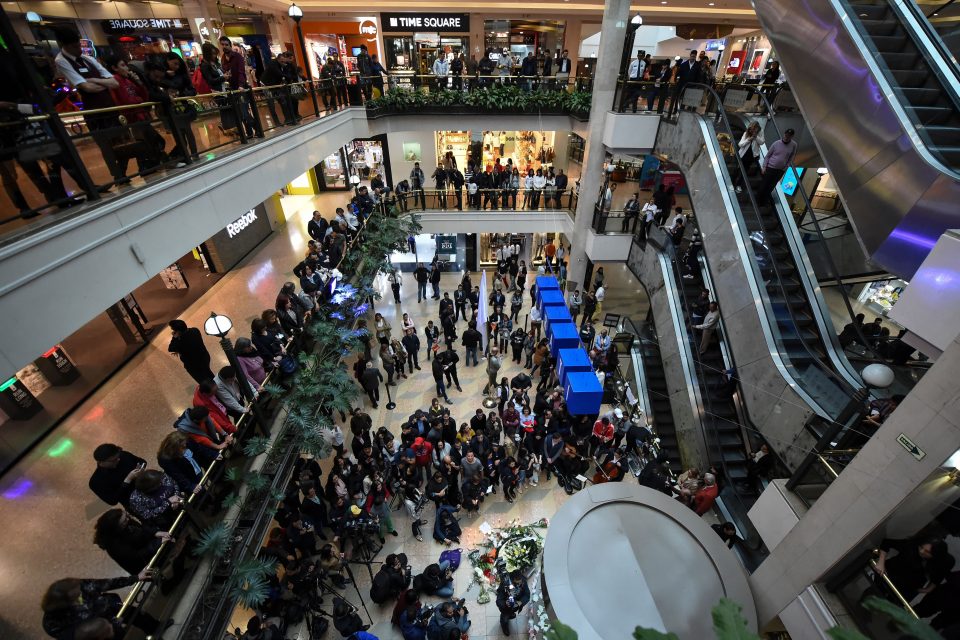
{"x": 446, "y": 529}
{"x": 390, "y": 580}
{"x": 346, "y": 620}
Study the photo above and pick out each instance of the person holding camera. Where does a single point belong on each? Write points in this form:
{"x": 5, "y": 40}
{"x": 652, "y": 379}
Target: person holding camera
{"x": 512, "y": 596}
{"x": 449, "y": 621}
{"x": 414, "y": 620}
{"x": 436, "y": 580}
{"x": 392, "y": 578}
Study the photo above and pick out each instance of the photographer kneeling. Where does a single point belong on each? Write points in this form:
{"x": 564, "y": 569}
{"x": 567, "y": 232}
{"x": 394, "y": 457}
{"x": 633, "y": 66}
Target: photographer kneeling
{"x": 436, "y": 580}
{"x": 512, "y": 596}
{"x": 449, "y": 621}
{"x": 414, "y": 620}
{"x": 392, "y": 578}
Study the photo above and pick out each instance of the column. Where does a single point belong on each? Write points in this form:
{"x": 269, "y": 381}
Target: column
{"x": 571, "y": 38}
{"x": 881, "y": 478}
{"x": 615, "y": 15}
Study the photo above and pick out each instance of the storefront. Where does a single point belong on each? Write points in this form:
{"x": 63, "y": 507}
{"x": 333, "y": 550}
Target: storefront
{"x": 528, "y": 245}
{"x": 880, "y": 296}
{"x": 543, "y": 38}
{"x": 364, "y": 158}
{"x": 527, "y": 149}
{"x": 341, "y": 37}
{"x": 143, "y": 37}
{"x": 412, "y": 41}
{"x": 232, "y": 243}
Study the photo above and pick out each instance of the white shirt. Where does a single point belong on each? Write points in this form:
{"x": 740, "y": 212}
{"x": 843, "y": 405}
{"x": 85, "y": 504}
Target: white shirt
{"x": 440, "y": 67}
{"x": 636, "y": 69}
{"x": 649, "y": 210}
{"x": 528, "y": 182}
{"x": 75, "y": 79}
{"x": 539, "y": 182}
{"x": 600, "y": 293}
{"x": 754, "y": 144}
{"x": 535, "y": 315}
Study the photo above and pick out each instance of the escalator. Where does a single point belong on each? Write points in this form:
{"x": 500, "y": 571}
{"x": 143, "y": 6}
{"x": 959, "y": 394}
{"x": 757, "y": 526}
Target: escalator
{"x": 658, "y": 395}
{"x": 891, "y": 137}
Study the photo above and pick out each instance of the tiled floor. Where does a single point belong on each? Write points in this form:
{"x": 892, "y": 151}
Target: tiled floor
{"x": 47, "y": 527}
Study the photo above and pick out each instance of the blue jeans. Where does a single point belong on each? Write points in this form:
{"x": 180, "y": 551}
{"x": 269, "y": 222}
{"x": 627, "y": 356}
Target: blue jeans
{"x": 421, "y": 291}
{"x": 472, "y": 352}
{"x": 436, "y": 290}
{"x": 446, "y": 591}
{"x": 441, "y": 390}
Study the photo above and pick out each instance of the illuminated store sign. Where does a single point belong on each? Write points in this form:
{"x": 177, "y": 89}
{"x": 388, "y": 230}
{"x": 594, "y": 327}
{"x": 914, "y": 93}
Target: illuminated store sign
{"x": 447, "y": 22}
{"x": 241, "y": 223}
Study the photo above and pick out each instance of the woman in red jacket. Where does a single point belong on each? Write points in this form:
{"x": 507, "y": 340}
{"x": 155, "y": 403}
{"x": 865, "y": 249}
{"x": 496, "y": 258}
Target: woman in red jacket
{"x": 206, "y": 396}
{"x": 131, "y": 91}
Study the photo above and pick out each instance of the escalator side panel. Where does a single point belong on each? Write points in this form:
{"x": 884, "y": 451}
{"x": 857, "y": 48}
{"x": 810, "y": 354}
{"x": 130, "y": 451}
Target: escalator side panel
{"x": 645, "y": 266}
{"x": 776, "y": 403}
{"x": 898, "y": 199}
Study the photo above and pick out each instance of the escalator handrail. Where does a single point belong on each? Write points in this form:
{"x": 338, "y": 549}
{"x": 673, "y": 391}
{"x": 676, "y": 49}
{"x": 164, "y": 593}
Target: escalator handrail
{"x": 697, "y": 386}
{"x": 845, "y": 386}
{"x": 930, "y": 43}
{"x": 886, "y": 89}
{"x": 830, "y": 342}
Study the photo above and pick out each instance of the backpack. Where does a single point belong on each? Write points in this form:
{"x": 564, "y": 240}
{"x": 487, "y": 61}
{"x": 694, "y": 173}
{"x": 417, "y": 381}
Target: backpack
{"x": 199, "y": 83}
{"x": 318, "y": 627}
{"x": 453, "y": 556}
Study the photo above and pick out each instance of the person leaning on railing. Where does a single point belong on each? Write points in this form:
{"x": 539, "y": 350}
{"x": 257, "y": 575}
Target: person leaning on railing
{"x": 235, "y": 73}
{"x": 132, "y": 90}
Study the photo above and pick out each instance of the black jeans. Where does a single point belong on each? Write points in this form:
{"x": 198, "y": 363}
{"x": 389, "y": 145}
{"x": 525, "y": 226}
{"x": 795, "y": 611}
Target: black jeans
{"x": 771, "y": 178}
{"x": 412, "y": 360}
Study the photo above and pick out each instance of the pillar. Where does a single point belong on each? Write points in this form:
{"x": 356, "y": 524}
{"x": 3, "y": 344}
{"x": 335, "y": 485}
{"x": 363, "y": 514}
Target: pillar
{"x": 615, "y": 16}
{"x": 571, "y": 38}
{"x": 881, "y": 478}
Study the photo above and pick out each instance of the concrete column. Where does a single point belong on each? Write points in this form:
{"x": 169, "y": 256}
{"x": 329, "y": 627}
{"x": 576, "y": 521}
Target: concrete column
{"x": 882, "y": 477}
{"x": 571, "y": 37}
{"x": 615, "y": 13}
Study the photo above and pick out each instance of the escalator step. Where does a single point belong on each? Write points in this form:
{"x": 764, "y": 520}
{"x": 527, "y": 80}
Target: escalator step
{"x": 934, "y": 115}
{"x": 911, "y": 77}
{"x": 944, "y": 135}
{"x": 890, "y": 43}
{"x": 868, "y": 11}
{"x": 921, "y": 96}
{"x": 950, "y": 155}
{"x": 899, "y": 61}
{"x": 880, "y": 27}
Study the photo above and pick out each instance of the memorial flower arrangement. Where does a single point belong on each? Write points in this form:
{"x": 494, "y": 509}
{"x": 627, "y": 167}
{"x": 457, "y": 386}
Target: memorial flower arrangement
{"x": 513, "y": 547}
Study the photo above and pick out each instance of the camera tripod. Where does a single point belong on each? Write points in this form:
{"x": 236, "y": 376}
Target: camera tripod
{"x": 364, "y": 552}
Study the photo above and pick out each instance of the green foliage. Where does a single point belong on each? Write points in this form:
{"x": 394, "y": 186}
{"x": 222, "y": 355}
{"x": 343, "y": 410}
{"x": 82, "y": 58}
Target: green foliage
{"x": 560, "y": 631}
{"x": 729, "y": 623}
{"x": 512, "y": 98}
{"x": 641, "y": 633}
{"x": 214, "y": 541}
{"x": 911, "y": 626}
{"x": 256, "y": 445}
{"x": 250, "y": 592}
{"x": 256, "y": 482}
{"x": 232, "y": 499}
{"x": 842, "y": 633}
{"x": 233, "y": 474}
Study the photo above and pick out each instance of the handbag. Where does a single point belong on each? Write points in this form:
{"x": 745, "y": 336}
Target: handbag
{"x": 34, "y": 142}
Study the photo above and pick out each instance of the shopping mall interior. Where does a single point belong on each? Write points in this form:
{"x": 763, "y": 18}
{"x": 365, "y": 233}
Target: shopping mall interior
{"x": 438, "y": 320}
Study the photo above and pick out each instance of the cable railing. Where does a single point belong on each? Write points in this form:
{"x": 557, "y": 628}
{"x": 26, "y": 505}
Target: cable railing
{"x": 185, "y": 519}
{"x": 614, "y": 221}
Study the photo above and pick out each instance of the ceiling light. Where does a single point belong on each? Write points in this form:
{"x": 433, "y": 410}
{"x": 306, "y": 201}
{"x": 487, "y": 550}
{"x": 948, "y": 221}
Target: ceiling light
{"x": 637, "y": 20}
{"x": 710, "y": 4}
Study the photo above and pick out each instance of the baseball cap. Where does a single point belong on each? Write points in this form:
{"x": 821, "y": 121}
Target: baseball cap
{"x": 355, "y": 510}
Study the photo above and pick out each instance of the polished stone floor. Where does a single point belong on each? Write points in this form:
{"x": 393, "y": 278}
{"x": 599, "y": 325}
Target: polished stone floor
{"x": 47, "y": 512}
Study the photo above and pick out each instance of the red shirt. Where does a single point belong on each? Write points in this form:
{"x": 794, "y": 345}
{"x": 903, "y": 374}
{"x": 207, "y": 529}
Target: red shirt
{"x": 130, "y": 92}
{"x": 704, "y": 498}
{"x": 233, "y": 63}
{"x": 604, "y": 433}
{"x": 218, "y": 413}
{"x": 422, "y": 453}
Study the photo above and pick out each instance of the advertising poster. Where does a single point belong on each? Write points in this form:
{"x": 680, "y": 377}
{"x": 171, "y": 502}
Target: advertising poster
{"x": 735, "y": 66}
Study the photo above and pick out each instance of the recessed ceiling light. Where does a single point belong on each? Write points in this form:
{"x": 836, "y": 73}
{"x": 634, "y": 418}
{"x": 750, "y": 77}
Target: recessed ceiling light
{"x": 711, "y": 4}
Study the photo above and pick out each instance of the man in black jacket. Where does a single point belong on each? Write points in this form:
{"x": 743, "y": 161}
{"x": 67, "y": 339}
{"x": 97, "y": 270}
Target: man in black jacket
{"x": 112, "y": 481}
{"x": 457, "y": 181}
{"x": 435, "y": 280}
{"x": 411, "y": 344}
{"x": 687, "y": 71}
{"x": 471, "y": 340}
{"x": 438, "y": 370}
{"x": 449, "y": 358}
{"x": 317, "y": 227}
{"x": 460, "y": 303}
{"x": 422, "y": 276}
{"x": 487, "y": 185}
{"x": 370, "y": 380}
{"x": 432, "y": 334}
{"x": 389, "y": 581}
{"x": 188, "y": 344}
{"x": 512, "y": 596}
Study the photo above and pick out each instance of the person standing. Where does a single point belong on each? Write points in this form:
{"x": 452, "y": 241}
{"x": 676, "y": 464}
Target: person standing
{"x": 513, "y": 595}
{"x": 187, "y": 343}
{"x": 449, "y": 358}
{"x": 437, "y": 368}
{"x": 564, "y": 66}
{"x": 456, "y": 70}
{"x": 94, "y": 84}
{"x": 471, "y": 341}
{"x": 441, "y": 69}
{"x": 433, "y": 337}
{"x": 395, "y": 280}
{"x": 456, "y": 181}
{"x": 749, "y": 151}
{"x": 779, "y": 156}
{"x": 632, "y": 88}
{"x": 422, "y": 276}
{"x": 365, "y": 68}
{"x": 235, "y": 72}
{"x": 440, "y": 179}
{"x": 370, "y": 380}
{"x": 687, "y": 71}
{"x": 493, "y": 368}
{"x": 631, "y": 211}
{"x": 411, "y": 344}
{"x": 708, "y": 326}
{"x": 112, "y": 481}
{"x": 435, "y": 280}
{"x": 417, "y": 179}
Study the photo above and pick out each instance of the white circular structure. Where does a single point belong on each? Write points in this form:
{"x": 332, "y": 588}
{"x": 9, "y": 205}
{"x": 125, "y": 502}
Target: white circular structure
{"x": 877, "y": 375}
{"x": 619, "y": 555}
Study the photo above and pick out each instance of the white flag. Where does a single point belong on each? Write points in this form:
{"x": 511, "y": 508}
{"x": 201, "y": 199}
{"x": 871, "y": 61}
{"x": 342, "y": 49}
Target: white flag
{"x": 482, "y": 311}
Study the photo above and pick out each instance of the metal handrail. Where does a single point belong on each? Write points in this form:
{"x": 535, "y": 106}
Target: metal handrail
{"x": 828, "y": 371}
{"x": 128, "y": 602}
{"x": 896, "y": 592}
